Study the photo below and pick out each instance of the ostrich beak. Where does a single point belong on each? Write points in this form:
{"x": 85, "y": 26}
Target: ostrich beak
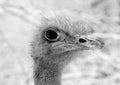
{"x": 76, "y": 45}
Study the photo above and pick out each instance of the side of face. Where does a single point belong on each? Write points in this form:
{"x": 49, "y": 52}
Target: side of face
{"x": 60, "y": 35}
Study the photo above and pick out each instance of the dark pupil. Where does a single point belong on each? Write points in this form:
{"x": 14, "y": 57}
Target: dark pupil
{"x": 81, "y": 40}
{"x": 51, "y": 34}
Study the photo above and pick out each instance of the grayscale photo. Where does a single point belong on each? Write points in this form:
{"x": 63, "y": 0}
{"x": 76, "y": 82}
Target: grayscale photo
{"x": 59, "y": 42}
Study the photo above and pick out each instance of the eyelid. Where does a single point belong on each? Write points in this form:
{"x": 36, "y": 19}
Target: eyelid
{"x": 53, "y": 28}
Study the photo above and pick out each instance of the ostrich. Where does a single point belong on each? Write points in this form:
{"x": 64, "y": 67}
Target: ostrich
{"x": 56, "y": 42}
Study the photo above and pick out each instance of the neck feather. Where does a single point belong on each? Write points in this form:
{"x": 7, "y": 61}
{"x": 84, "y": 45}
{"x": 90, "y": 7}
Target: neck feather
{"x": 47, "y": 72}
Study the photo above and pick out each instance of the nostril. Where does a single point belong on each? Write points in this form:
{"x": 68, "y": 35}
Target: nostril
{"x": 81, "y": 40}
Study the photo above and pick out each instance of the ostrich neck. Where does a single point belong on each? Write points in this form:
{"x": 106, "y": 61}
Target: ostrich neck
{"x": 47, "y": 72}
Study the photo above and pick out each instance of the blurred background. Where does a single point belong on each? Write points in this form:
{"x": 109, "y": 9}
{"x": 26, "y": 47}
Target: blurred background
{"x": 18, "y": 19}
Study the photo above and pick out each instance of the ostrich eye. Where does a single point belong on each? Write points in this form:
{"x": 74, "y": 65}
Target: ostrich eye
{"x": 51, "y": 35}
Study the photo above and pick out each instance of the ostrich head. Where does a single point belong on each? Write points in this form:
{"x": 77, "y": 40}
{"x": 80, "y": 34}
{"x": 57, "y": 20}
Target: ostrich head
{"x": 57, "y": 41}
